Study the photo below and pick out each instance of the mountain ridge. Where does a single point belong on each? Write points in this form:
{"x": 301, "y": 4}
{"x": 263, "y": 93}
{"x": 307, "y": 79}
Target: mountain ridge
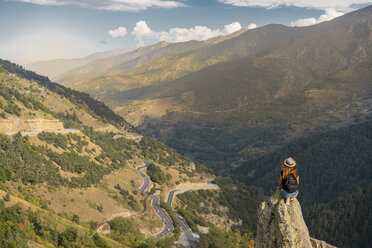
{"x": 53, "y": 68}
{"x": 183, "y": 62}
{"x": 137, "y": 57}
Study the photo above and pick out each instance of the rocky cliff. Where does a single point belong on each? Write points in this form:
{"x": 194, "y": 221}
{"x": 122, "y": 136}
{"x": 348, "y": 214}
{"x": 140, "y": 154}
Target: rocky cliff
{"x": 281, "y": 225}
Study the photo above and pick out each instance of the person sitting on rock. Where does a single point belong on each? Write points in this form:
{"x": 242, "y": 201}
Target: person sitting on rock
{"x": 289, "y": 180}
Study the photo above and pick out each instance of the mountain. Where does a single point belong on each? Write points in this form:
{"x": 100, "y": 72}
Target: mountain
{"x": 56, "y": 67}
{"x": 68, "y": 165}
{"x": 85, "y": 77}
{"x": 170, "y": 61}
{"x": 99, "y": 109}
{"x": 275, "y": 83}
{"x": 245, "y": 106}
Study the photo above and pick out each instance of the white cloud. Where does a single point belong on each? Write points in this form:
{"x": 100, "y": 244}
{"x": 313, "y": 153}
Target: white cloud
{"x": 143, "y": 33}
{"x": 43, "y": 2}
{"x": 119, "y": 32}
{"x": 252, "y": 26}
{"x": 316, "y": 4}
{"x": 113, "y": 5}
{"x": 231, "y": 28}
{"x": 330, "y": 13}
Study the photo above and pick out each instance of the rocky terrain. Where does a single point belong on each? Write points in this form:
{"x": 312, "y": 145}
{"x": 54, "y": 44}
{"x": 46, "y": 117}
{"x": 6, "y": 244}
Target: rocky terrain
{"x": 282, "y": 226}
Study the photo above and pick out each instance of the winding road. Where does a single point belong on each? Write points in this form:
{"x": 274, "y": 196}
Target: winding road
{"x": 168, "y": 226}
{"x": 146, "y": 180}
{"x": 188, "y": 238}
{"x": 144, "y": 189}
{"x": 173, "y": 192}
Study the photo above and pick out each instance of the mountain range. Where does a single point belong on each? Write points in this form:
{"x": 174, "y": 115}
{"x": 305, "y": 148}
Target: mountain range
{"x": 224, "y": 101}
{"x": 56, "y": 67}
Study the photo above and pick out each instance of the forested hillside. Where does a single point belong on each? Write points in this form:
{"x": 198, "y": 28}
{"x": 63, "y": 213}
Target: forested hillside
{"x": 67, "y": 164}
{"x": 344, "y": 221}
{"x": 333, "y": 163}
{"x": 334, "y": 192}
{"x": 335, "y": 176}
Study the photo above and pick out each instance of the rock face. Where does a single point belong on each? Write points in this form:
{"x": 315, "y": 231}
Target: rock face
{"x": 30, "y": 125}
{"x": 280, "y": 225}
{"x": 39, "y": 125}
{"x": 7, "y": 126}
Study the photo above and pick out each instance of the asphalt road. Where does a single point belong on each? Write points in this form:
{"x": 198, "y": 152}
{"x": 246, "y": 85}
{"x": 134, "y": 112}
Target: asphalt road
{"x": 188, "y": 238}
{"x": 144, "y": 189}
{"x": 173, "y": 192}
{"x": 168, "y": 226}
{"x": 146, "y": 180}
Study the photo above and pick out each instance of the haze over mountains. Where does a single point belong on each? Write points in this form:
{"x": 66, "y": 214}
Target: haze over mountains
{"x": 243, "y": 95}
{"x": 56, "y": 67}
{"x": 141, "y": 56}
{"x": 238, "y": 104}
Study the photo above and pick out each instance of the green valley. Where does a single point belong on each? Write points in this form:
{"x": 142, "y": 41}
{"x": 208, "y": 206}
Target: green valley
{"x": 68, "y": 163}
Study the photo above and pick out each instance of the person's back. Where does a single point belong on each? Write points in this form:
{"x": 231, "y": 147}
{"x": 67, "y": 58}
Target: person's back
{"x": 289, "y": 180}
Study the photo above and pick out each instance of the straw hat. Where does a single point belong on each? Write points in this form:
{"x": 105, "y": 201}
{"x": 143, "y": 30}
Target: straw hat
{"x": 289, "y": 162}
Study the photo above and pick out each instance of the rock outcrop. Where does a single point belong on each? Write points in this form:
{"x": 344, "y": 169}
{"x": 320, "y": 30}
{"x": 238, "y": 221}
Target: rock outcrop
{"x": 29, "y": 125}
{"x": 7, "y": 126}
{"x": 281, "y": 225}
{"x": 40, "y": 125}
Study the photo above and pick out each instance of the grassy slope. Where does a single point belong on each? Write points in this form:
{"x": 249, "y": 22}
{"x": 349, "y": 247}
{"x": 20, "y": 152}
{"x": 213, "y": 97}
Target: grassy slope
{"x": 54, "y": 221}
{"x": 98, "y": 109}
{"x": 77, "y": 174}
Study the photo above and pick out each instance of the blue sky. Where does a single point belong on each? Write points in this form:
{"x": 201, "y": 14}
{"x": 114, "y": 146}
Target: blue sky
{"x": 32, "y": 30}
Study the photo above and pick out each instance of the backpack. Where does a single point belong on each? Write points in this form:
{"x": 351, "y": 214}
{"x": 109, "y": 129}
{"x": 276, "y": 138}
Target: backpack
{"x": 290, "y": 185}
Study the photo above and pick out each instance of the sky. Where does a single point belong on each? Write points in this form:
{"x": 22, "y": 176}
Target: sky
{"x": 34, "y": 30}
